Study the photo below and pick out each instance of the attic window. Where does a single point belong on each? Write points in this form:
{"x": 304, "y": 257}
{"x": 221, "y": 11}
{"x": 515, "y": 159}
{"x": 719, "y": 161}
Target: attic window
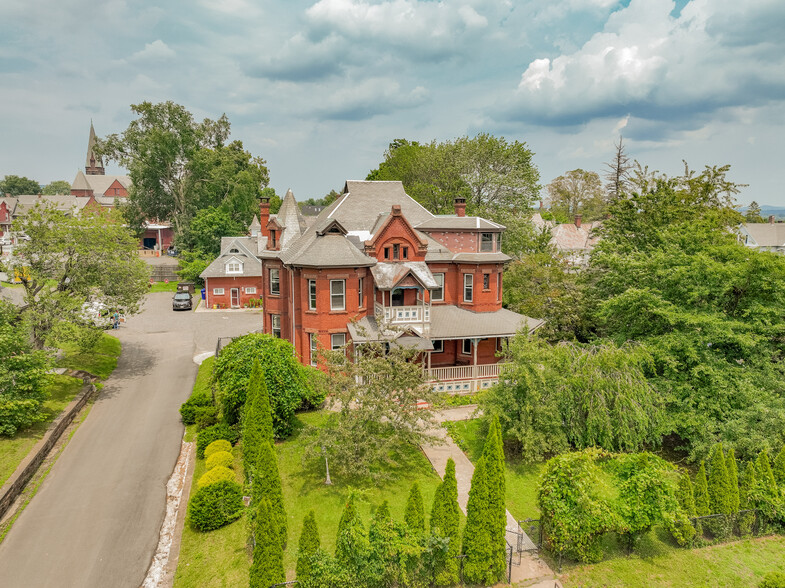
{"x": 406, "y": 253}
{"x": 334, "y": 231}
{"x": 396, "y": 251}
{"x": 234, "y": 250}
{"x": 386, "y": 253}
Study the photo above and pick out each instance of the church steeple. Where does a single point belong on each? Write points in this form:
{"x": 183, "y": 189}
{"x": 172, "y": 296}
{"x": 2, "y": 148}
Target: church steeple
{"x": 94, "y": 166}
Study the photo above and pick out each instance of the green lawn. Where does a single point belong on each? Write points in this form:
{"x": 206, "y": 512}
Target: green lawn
{"x": 14, "y": 449}
{"x": 742, "y": 564}
{"x": 164, "y": 287}
{"x": 219, "y": 558}
{"x": 99, "y": 361}
{"x": 522, "y": 479}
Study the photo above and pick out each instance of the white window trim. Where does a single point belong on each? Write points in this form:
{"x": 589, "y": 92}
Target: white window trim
{"x": 470, "y": 287}
{"x": 313, "y": 344}
{"x": 218, "y": 292}
{"x": 463, "y": 346}
{"x": 441, "y": 299}
{"x": 333, "y": 346}
{"x": 438, "y": 345}
{"x": 361, "y": 293}
{"x": 278, "y": 281}
{"x": 310, "y": 294}
{"x": 250, "y": 289}
{"x": 342, "y": 295}
{"x": 491, "y": 243}
{"x": 272, "y": 325}
{"x": 231, "y": 262}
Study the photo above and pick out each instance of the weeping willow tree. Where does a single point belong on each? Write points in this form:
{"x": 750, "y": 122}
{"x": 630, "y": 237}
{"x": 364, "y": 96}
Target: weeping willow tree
{"x": 554, "y": 397}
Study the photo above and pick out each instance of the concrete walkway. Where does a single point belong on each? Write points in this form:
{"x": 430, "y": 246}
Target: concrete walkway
{"x": 532, "y": 570}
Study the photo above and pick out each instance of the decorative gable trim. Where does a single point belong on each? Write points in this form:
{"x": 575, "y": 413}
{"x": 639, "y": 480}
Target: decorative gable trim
{"x": 396, "y": 216}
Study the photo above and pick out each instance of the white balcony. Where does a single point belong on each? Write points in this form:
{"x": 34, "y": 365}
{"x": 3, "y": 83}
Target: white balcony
{"x": 405, "y": 314}
{"x": 463, "y": 379}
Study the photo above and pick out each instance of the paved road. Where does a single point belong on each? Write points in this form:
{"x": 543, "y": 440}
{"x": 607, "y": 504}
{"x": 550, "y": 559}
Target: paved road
{"x": 96, "y": 517}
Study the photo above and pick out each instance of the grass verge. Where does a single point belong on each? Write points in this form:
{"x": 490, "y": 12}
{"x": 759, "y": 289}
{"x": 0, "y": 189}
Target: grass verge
{"x": 221, "y": 558}
{"x": 163, "y": 287}
{"x": 13, "y": 450}
{"x": 99, "y": 361}
{"x": 522, "y": 479}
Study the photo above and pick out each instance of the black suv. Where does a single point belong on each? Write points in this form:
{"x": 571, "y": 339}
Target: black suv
{"x": 182, "y": 301}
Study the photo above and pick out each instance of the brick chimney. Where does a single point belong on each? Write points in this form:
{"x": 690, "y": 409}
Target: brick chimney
{"x": 264, "y": 214}
{"x": 460, "y": 206}
{"x": 396, "y": 210}
{"x": 771, "y": 219}
{"x": 578, "y": 219}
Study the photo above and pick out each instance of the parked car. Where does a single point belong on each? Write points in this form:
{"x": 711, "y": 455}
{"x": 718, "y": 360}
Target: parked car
{"x": 182, "y": 301}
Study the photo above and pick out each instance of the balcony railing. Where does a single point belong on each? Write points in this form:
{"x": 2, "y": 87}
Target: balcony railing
{"x": 405, "y": 314}
{"x": 463, "y": 379}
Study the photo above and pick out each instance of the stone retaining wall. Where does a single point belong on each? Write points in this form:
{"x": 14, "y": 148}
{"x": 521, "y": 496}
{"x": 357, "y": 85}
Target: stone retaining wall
{"x": 17, "y": 482}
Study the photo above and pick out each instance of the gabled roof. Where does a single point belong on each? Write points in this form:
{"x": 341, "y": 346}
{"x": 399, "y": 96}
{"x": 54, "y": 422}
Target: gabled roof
{"x": 452, "y": 322}
{"x": 327, "y": 250}
{"x": 452, "y": 222}
{"x": 63, "y": 202}
{"x": 255, "y": 225}
{"x": 766, "y": 234}
{"x": 98, "y": 184}
{"x": 388, "y": 275}
{"x": 240, "y": 248}
{"x": 570, "y": 237}
{"x": 80, "y": 182}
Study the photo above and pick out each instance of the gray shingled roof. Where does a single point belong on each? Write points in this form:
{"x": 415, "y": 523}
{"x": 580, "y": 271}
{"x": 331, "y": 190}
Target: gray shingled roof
{"x": 452, "y": 322}
{"x": 767, "y": 234}
{"x": 63, "y": 202}
{"x": 245, "y": 247}
{"x": 328, "y": 250}
{"x": 98, "y": 184}
{"x": 387, "y": 275}
{"x": 459, "y": 223}
{"x": 291, "y": 220}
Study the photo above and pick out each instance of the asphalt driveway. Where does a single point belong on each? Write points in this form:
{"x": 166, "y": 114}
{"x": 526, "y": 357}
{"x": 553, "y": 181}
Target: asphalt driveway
{"x": 95, "y": 520}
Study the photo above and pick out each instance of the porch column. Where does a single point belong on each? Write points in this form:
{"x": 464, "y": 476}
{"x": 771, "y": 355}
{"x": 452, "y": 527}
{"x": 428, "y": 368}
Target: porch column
{"x": 475, "y": 343}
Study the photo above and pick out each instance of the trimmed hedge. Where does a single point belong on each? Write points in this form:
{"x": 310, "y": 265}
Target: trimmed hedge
{"x": 216, "y": 446}
{"x": 222, "y": 459}
{"x": 210, "y": 434}
{"x": 214, "y": 475}
{"x": 215, "y": 505}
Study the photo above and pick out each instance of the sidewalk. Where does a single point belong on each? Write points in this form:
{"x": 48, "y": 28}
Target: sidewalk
{"x": 532, "y": 571}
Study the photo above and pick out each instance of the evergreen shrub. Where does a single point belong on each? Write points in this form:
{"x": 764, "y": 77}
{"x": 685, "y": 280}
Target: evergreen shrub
{"x": 217, "y": 474}
{"x": 219, "y": 446}
{"x": 215, "y": 505}
{"x": 219, "y": 459}
{"x": 773, "y": 580}
{"x": 210, "y": 434}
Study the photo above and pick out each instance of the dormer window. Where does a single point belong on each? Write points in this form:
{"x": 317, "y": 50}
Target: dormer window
{"x": 234, "y": 267}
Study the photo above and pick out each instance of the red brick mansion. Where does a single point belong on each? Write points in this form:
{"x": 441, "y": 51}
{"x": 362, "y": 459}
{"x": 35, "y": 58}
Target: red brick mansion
{"x": 376, "y": 256}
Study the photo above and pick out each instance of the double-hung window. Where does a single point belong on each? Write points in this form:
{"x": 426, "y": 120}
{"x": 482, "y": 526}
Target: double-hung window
{"x": 466, "y": 348}
{"x": 360, "y": 294}
{"x": 486, "y": 281}
{"x": 468, "y": 287}
{"x": 337, "y": 294}
{"x": 234, "y": 267}
{"x": 250, "y": 289}
{"x": 438, "y": 345}
{"x": 311, "y": 294}
{"x": 275, "y": 322}
{"x": 486, "y": 242}
{"x": 438, "y": 293}
{"x": 314, "y": 344}
{"x": 275, "y": 282}
{"x": 218, "y": 291}
{"x": 337, "y": 340}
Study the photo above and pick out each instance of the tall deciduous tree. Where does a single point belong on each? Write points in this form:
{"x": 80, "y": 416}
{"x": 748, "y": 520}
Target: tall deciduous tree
{"x": 617, "y": 175}
{"x": 257, "y": 419}
{"x": 374, "y": 396}
{"x": 70, "y": 260}
{"x": 57, "y": 187}
{"x": 578, "y": 192}
{"x": 17, "y": 185}
{"x": 445, "y": 522}
{"x": 267, "y": 567}
{"x": 415, "y": 511}
{"x": 307, "y": 548}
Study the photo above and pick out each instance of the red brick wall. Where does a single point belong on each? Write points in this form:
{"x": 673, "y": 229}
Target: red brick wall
{"x": 453, "y": 354}
{"x": 457, "y": 242}
{"x": 116, "y": 189}
{"x": 224, "y": 300}
{"x": 397, "y": 231}
{"x": 483, "y": 300}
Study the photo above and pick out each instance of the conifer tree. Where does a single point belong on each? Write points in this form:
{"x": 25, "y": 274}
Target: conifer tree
{"x": 702, "y": 507}
{"x": 308, "y": 546}
{"x": 478, "y": 565}
{"x": 686, "y": 495}
{"x": 445, "y": 522}
{"x": 267, "y": 567}
{"x": 415, "y": 511}
{"x": 747, "y": 486}
{"x": 719, "y": 489}
{"x": 351, "y": 543}
{"x": 383, "y": 512}
{"x": 733, "y": 480}
{"x": 779, "y": 468}
{"x": 267, "y": 485}
{"x": 493, "y": 454}
{"x": 764, "y": 475}
{"x": 257, "y": 419}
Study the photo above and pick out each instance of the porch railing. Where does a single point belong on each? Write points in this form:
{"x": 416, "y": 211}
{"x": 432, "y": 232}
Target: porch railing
{"x": 464, "y": 372}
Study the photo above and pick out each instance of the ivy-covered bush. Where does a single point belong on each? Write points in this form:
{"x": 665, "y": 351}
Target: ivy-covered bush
{"x": 217, "y": 446}
{"x": 217, "y": 474}
{"x": 210, "y": 434}
{"x": 219, "y": 459}
{"x": 215, "y": 505}
{"x": 290, "y": 384}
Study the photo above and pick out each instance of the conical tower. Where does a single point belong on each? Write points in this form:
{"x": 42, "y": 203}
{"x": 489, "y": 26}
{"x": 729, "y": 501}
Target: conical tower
{"x": 94, "y": 166}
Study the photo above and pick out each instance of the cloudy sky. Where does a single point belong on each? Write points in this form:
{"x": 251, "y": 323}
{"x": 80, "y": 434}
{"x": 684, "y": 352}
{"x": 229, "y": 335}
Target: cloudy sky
{"x": 319, "y": 88}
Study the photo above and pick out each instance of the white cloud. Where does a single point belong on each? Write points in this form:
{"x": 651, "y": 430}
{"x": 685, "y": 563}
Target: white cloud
{"x": 651, "y": 64}
{"x": 155, "y": 51}
{"x": 368, "y": 98}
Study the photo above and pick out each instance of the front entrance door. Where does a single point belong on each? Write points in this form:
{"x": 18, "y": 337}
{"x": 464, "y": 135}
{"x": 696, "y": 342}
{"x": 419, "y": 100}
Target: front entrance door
{"x": 235, "y": 297}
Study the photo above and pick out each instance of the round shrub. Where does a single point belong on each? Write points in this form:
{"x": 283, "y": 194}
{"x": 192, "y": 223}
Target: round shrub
{"x": 210, "y": 434}
{"x": 222, "y": 459}
{"x": 216, "y": 446}
{"x": 214, "y": 475}
{"x": 773, "y": 580}
{"x": 289, "y": 383}
{"x": 215, "y": 505}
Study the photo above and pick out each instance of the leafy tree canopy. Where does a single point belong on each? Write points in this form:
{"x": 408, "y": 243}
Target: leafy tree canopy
{"x": 578, "y": 192}
{"x": 16, "y": 185}
{"x": 57, "y": 187}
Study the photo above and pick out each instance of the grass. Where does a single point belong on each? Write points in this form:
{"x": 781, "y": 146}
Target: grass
{"x": 743, "y": 563}
{"x": 13, "y": 450}
{"x": 522, "y": 479}
{"x": 164, "y": 287}
{"x": 221, "y": 558}
{"x": 99, "y": 361}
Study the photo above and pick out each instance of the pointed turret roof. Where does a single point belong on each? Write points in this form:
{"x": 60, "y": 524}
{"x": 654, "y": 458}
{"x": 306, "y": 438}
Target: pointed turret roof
{"x": 94, "y": 165}
{"x": 290, "y": 219}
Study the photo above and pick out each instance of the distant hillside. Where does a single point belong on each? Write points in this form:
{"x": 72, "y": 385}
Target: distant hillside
{"x": 766, "y": 211}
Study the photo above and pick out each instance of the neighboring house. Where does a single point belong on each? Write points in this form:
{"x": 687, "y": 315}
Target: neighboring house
{"x": 376, "y": 257}
{"x": 769, "y": 236}
{"x": 235, "y": 276}
{"x": 575, "y": 241}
